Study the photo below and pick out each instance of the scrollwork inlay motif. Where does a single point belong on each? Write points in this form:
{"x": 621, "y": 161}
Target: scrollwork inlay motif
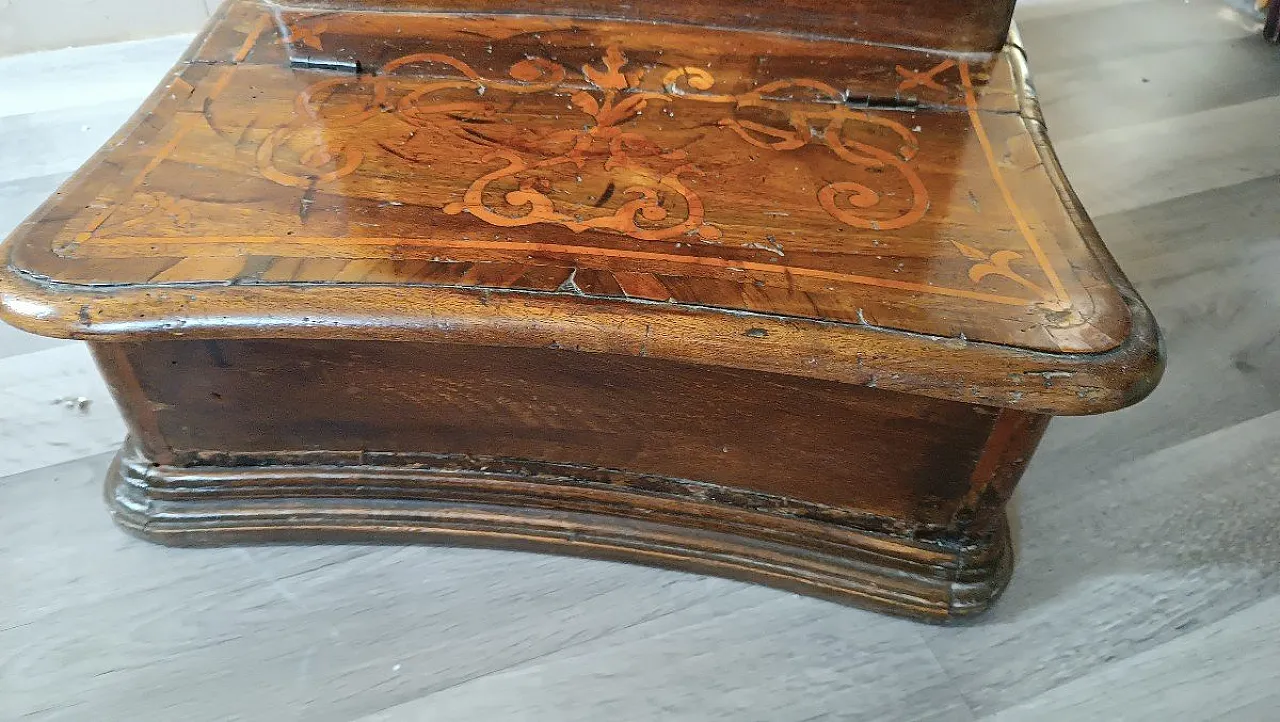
{"x": 658, "y": 200}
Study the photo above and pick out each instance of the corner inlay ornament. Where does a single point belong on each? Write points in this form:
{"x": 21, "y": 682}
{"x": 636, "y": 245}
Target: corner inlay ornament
{"x": 603, "y": 167}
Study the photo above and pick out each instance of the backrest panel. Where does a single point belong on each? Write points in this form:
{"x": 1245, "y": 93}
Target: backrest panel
{"x": 951, "y": 25}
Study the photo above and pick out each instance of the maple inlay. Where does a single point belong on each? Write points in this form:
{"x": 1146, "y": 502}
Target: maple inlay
{"x": 895, "y": 190}
{"x": 744, "y": 287}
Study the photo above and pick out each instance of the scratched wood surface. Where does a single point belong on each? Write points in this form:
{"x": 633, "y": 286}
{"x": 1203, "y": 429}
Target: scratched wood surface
{"x": 1150, "y": 561}
{"x": 793, "y": 178}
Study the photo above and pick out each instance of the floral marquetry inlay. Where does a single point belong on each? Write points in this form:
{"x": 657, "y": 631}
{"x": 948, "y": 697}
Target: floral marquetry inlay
{"x": 658, "y": 202}
{"x": 717, "y": 169}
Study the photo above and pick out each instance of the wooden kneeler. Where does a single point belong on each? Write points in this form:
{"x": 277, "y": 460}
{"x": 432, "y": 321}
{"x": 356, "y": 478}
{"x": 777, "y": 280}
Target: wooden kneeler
{"x": 782, "y": 291}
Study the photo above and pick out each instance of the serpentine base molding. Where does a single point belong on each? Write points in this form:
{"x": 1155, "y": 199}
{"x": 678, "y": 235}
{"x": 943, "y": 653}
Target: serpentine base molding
{"x": 213, "y": 505}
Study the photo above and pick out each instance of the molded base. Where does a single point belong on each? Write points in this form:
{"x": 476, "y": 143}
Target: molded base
{"x": 529, "y": 506}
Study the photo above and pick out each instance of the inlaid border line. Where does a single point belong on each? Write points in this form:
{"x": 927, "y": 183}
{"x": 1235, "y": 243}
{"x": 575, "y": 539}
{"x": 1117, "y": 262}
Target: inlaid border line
{"x": 971, "y": 102}
{"x": 263, "y": 22}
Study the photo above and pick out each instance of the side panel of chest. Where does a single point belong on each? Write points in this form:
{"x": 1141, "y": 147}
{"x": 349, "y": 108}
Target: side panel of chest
{"x": 860, "y": 495}
{"x": 888, "y": 455}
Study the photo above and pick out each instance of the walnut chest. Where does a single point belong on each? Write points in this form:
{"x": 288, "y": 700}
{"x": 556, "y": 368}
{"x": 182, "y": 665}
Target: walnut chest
{"x": 772, "y": 305}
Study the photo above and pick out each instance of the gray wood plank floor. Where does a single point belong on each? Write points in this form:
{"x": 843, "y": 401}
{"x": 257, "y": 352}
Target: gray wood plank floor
{"x": 1148, "y": 584}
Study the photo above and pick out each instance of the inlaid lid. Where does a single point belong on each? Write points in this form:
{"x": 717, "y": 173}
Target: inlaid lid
{"x": 869, "y": 214}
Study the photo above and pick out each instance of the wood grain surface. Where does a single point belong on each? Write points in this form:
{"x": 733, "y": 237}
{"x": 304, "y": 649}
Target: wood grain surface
{"x": 639, "y": 171}
{"x": 860, "y": 495}
{"x": 963, "y": 25}
{"x": 790, "y": 437}
{"x": 504, "y": 401}
{"x": 1147, "y": 535}
{"x": 532, "y": 180}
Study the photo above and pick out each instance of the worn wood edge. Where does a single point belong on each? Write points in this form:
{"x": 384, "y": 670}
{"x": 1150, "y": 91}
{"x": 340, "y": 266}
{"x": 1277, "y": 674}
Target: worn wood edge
{"x": 1143, "y": 327}
{"x": 1144, "y": 331}
{"x": 1024, "y": 89}
{"x": 1000, "y": 466}
{"x": 402, "y": 473}
{"x": 938, "y": 367}
{"x": 209, "y": 506}
{"x": 140, "y": 418}
{"x": 1142, "y": 321}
